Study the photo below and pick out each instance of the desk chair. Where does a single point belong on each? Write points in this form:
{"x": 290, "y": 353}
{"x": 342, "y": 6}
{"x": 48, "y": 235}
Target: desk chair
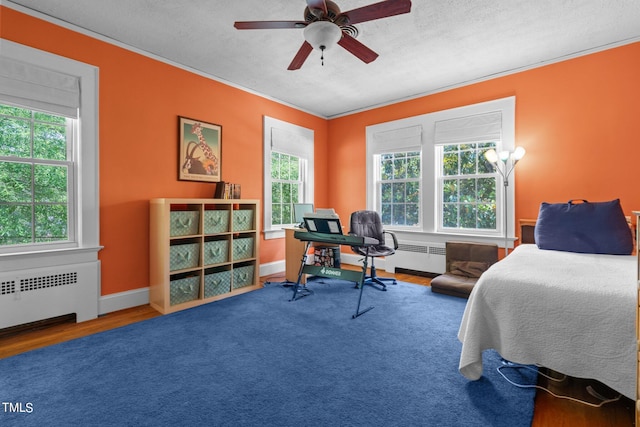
{"x": 368, "y": 224}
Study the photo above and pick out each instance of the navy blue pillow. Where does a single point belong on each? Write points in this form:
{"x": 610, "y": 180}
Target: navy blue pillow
{"x": 596, "y": 228}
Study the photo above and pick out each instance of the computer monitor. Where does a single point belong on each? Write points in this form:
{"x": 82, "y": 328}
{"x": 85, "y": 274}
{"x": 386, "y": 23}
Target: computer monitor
{"x": 300, "y": 210}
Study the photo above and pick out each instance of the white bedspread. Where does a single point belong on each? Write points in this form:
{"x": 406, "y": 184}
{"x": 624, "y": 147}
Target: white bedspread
{"x": 573, "y": 313}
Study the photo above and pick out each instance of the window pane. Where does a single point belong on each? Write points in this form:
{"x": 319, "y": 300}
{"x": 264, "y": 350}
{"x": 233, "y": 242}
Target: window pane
{"x": 413, "y": 166}
{"x": 385, "y": 215}
{"x": 486, "y": 190}
{"x": 386, "y": 167}
{"x": 294, "y": 168}
{"x": 275, "y": 165}
{"x": 286, "y": 193}
{"x": 284, "y": 166}
{"x": 468, "y": 162}
{"x": 450, "y": 190}
{"x": 398, "y": 215}
{"x": 413, "y": 192}
{"x": 399, "y": 192}
{"x": 51, "y": 223}
{"x": 287, "y": 217}
{"x": 49, "y": 142}
{"x": 399, "y": 167}
{"x": 487, "y": 216}
{"x": 385, "y": 193}
{"x": 450, "y": 215}
{"x": 467, "y": 216}
{"x": 276, "y": 213}
{"x": 467, "y": 190}
{"x": 16, "y": 180}
{"x": 15, "y": 137}
{"x": 450, "y": 164}
{"x": 276, "y": 192}
{"x": 413, "y": 214}
{"x": 44, "y": 117}
{"x": 18, "y": 230}
{"x": 50, "y": 184}
{"x": 15, "y": 111}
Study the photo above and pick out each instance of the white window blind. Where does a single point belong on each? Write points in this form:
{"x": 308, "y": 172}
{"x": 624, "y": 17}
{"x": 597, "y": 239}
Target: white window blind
{"x": 39, "y": 88}
{"x": 476, "y": 128}
{"x": 295, "y": 143}
{"x": 403, "y": 139}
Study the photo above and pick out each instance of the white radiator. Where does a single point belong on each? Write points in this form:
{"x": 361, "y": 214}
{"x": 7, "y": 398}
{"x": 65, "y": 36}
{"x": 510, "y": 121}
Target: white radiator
{"x": 419, "y": 256}
{"x": 38, "y": 294}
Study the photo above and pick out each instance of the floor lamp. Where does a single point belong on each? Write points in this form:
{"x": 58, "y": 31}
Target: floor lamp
{"x": 504, "y": 162}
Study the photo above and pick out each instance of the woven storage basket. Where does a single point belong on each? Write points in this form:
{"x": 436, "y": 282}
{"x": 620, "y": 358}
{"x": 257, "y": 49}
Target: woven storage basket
{"x": 243, "y": 276}
{"x": 217, "y": 283}
{"x": 242, "y": 248}
{"x": 184, "y": 256}
{"x": 216, "y": 252}
{"x": 184, "y": 223}
{"x": 184, "y": 290}
{"x": 216, "y": 221}
{"x": 242, "y": 220}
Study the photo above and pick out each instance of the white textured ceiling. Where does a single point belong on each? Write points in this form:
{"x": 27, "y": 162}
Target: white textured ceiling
{"x": 439, "y": 44}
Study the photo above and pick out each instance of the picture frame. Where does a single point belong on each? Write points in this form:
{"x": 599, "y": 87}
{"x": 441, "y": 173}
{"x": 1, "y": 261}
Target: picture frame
{"x": 199, "y": 151}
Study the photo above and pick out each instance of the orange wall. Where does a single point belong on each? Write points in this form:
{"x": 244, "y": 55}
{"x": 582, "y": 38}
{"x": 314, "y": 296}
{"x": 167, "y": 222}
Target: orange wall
{"x": 579, "y": 121}
{"x": 140, "y": 101}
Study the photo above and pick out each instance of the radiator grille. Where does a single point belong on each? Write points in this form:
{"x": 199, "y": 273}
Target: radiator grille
{"x": 431, "y": 250}
{"x": 8, "y": 287}
{"x": 49, "y": 281}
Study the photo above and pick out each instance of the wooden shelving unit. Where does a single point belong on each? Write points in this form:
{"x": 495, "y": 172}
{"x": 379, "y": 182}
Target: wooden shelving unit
{"x": 202, "y": 250}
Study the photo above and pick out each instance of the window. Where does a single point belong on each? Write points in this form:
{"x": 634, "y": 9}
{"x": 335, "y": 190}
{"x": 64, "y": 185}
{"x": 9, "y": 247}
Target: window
{"x": 400, "y": 188}
{"x": 36, "y": 169}
{"x": 48, "y": 185}
{"x": 466, "y": 187}
{"x": 286, "y": 186}
{"x": 427, "y": 174}
{"x": 288, "y": 172}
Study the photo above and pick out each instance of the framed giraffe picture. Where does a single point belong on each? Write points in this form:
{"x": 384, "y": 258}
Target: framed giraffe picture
{"x": 199, "y": 151}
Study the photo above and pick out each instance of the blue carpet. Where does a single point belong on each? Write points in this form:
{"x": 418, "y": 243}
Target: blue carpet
{"x": 258, "y": 359}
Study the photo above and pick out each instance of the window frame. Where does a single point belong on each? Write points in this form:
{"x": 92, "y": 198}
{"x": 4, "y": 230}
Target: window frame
{"x": 286, "y": 138}
{"x": 429, "y": 209}
{"x": 86, "y": 185}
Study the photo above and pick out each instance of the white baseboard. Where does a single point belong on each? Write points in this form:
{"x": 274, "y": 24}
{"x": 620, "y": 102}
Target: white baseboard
{"x": 123, "y": 300}
{"x": 136, "y": 297}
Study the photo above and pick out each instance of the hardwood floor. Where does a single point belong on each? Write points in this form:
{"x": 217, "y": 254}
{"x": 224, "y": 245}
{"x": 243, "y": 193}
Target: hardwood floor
{"x": 549, "y": 411}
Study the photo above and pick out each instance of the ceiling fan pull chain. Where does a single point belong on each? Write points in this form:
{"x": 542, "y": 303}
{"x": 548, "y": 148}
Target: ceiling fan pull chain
{"x": 322, "y": 48}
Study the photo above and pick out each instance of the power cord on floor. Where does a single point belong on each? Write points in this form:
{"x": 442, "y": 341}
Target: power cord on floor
{"x": 603, "y": 400}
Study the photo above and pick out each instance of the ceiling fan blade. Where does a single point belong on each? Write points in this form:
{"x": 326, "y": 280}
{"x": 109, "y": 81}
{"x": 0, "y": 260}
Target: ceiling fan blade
{"x": 379, "y": 10}
{"x": 268, "y": 25}
{"x": 318, "y": 8}
{"x": 301, "y": 56}
{"x": 358, "y": 49}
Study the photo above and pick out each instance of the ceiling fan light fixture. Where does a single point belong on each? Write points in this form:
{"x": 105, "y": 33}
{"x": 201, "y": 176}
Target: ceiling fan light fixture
{"x": 322, "y": 34}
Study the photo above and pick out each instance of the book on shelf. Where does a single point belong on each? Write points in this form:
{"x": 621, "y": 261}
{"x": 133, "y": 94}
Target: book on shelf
{"x": 227, "y": 190}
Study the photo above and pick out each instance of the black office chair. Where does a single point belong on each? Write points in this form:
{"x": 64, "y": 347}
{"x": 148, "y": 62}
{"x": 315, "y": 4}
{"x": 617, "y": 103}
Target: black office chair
{"x": 368, "y": 224}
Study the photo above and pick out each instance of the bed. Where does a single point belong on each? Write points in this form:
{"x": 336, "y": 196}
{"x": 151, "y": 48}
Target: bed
{"x": 571, "y": 312}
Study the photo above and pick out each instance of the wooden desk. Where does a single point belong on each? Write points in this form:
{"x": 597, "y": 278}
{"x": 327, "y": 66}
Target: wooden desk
{"x": 307, "y": 238}
{"x": 293, "y": 253}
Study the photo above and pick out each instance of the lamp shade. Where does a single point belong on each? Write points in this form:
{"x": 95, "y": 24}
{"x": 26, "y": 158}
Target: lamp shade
{"x": 322, "y": 34}
{"x": 491, "y": 156}
{"x": 518, "y": 153}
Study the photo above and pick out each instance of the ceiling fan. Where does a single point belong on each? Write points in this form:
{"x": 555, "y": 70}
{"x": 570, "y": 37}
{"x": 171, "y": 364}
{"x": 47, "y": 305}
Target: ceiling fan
{"x": 325, "y": 25}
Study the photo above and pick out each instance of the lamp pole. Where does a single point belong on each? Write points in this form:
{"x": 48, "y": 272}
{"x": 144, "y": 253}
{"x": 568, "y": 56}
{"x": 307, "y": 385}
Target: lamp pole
{"x": 504, "y": 163}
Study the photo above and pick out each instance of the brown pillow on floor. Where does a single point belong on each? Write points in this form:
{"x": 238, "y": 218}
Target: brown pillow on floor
{"x": 468, "y": 268}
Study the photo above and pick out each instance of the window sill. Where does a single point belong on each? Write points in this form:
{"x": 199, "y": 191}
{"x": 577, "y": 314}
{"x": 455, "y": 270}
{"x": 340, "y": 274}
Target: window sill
{"x": 47, "y": 258}
{"x": 435, "y": 237}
